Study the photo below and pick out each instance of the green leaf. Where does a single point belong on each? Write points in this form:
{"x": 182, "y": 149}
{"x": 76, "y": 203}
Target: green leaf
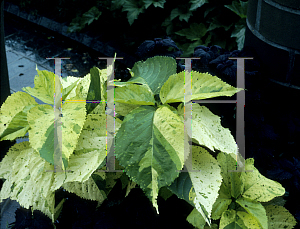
{"x": 279, "y": 217}
{"x": 188, "y": 48}
{"x": 87, "y": 190}
{"x": 182, "y": 16}
{"x": 255, "y": 209}
{"x": 215, "y": 23}
{"x": 155, "y": 71}
{"x": 88, "y": 17}
{"x": 227, "y": 163}
{"x": 248, "y": 220}
{"x": 239, "y": 33}
{"x": 197, "y": 4}
{"x": 94, "y": 93}
{"x": 240, "y": 8}
{"x": 200, "y": 189}
{"x": 68, "y": 83}
{"x": 258, "y": 187}
{"x": 194, "y": 33}
{"x": 204, "y": 86}
{"x": 58, "y": 209}
{"x": 228, "y": 220}
{"x": 208, "y": 10}
{"x": 117, "y": 4}
{"x": 276, "y": 201}
{"x": 134, "y": 94}
{"x": 165, "y": 193}
{"x": 209, "y": 132}
{"x": 124, "y": 109}
{"x": 133, "y": 8}
{"x": 147, "y": 146}
{"x": 43, "y": 87}
{"x": 13, "y": 115}
{"x": 196, "y": 219}
{"x": 41, "y": 134}
{"x": 27, "y": 182}
{"x": 156, "y": 3}
{"x": 168, "y": 24}
{"x": 90, "y": 151}
{"x": 206, "y": 182}
{"x": 222, "y": 202}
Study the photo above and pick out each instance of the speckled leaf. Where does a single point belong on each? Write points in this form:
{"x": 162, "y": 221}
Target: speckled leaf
{"x": 83, "y": 87}
{"x": 200, "y": 189}
{"x": 209, "y": 132}
{"x": 206, "y": 183}
{"x": 255, "y": 209}
{"x": 228, "y": 220}
{"x": 222, "y": 202}
{"x": 204, "y": 86}
{"x": 149, "y": 146}
{"x": 29, "y": 184}
{"x": 43, "y": 87}
{"x": 13, "y": 115}
{"x": 258, "y": 187}
{"x": 87, "y": 190}
{"x": 279, "y": 217}
{"x": 124, "y": 109}
{"x": 90, "y": 150}
{"x": 94, "y": 93}
{"x": 69, "y": 83}
{"x": 233, "y": 184}
{"x": 248, "y": 220}
{"x": 41, "y": 134}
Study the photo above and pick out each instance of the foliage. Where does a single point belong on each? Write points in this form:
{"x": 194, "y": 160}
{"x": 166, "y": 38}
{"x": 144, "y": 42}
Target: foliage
{"x": 191, "y": 23}
{"x": 203, "y": 20}
{"x": 149, "y": 145}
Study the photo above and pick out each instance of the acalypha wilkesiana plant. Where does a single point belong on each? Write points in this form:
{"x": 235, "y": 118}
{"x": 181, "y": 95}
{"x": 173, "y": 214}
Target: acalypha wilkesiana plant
{"x": 149, "y": 147}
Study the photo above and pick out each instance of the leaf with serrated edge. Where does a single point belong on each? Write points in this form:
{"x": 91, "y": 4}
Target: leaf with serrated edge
{"x": 248, "y": 220}
{"x": 87, "y": 190}
{"x": 194, "y": 33}
{"x": 196, "y": 219}
{"x": 222, "y": 203}
{"x": 207, "y": 182}
{"x": 255, "y": 209}
{"x": 29, "y": 184}
{"x": 43, "y": 87}
{"x": 133, "y": 9}
{"x": 16, "y": 105}
{"x": 134, "y": 94}
{"x": 228, "y": 217}
{"x": 155, "y": 71}
{"x": 69, "y": 84}
{"x": 147, "y": 146}
{"x": 159, "y": 3}
{"x": 90, "y": 150}
{"x": 204, "y": 86}
{"x": 279, "y": 217}
{"x": 41, "y": 121}
{"x": 258, "y": 187}
{"x": 209, "y": 133}
{"x": 197, "y": 4}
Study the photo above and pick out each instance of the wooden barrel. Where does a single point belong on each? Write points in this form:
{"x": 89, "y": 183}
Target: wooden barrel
{"x": 273, "y": 30}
